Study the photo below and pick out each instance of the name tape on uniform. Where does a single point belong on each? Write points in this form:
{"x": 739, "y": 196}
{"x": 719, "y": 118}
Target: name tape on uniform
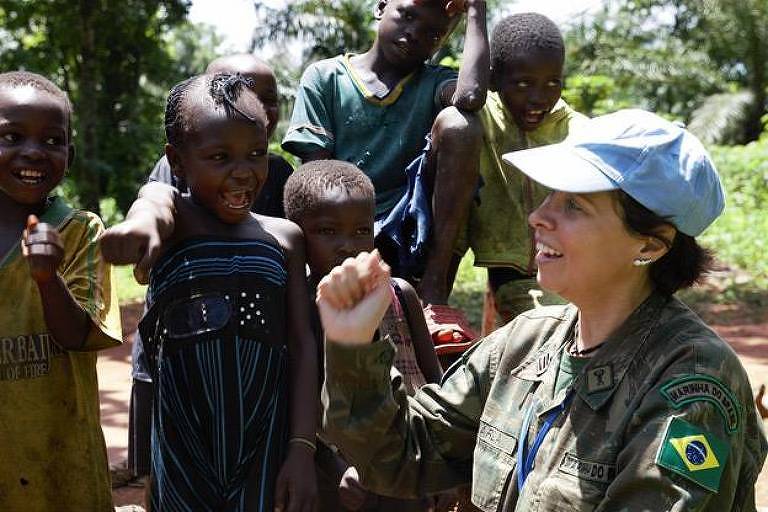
{"x": 588, "y": 469}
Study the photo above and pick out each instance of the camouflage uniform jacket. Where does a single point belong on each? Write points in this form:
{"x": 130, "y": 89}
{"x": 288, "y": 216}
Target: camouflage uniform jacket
{"x": 661, "y": 418}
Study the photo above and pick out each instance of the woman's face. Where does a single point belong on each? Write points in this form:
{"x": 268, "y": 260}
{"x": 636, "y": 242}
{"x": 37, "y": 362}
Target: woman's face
{"x": 583, "y": 249}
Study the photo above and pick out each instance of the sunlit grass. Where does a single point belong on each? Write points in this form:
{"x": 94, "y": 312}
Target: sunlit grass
{"x": 469, "y": 289}
{"x": 128, "y": 290}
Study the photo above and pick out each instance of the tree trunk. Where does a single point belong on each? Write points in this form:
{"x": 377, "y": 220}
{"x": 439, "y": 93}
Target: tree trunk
{"x": 89, "y": 180}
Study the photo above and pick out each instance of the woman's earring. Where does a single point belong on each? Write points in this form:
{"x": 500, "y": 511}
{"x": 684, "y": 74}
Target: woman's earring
{"x": 641, "y": 262}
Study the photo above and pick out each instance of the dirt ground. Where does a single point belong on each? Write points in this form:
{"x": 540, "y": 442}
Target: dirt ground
{"x": 744, "y": 326}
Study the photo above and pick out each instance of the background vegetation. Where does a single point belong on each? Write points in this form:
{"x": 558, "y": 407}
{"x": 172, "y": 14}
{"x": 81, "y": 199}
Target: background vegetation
{"x": 703, "y": 62}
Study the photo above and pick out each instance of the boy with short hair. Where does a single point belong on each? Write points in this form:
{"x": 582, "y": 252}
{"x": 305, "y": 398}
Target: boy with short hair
{"x": 56, "y": 310}
{"x": 524, "y": 110}
{"x": 333, "y": 203}
{"x": 374, "y": 110}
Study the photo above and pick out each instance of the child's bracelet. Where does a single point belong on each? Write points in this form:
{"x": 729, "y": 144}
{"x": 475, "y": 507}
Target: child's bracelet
{"x": 303, "y": 440}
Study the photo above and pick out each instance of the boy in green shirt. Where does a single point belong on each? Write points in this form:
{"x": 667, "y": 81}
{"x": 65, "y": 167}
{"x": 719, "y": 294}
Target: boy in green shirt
{"x": 374, "y": 109}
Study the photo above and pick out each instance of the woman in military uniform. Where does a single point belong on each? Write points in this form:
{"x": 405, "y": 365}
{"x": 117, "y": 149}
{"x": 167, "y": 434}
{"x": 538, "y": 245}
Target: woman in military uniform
{"x": 622, "y": 400}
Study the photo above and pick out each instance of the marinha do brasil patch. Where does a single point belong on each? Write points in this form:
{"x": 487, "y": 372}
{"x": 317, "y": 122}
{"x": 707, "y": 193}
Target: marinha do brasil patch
{"x": 692, "y": 388}
{"x": 692, "y": 453}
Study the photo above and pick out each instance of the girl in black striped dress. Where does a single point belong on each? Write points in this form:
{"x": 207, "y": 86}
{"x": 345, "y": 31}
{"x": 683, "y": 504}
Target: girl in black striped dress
{"x": 227, "y": 331}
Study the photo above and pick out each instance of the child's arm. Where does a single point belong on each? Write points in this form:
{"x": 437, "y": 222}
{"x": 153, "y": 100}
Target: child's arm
{"x": 296, "y": 486}
{"x": 139, "y": 238}
{"x": 474, "y": 74}
{"x": 422, "y": 341}
{"x": 66, "y": 319}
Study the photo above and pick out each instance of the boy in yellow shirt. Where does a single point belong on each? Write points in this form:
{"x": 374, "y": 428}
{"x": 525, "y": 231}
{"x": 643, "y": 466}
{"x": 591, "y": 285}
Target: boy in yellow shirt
{"x": 523, "y": 110}
{"x": 56, "y": 310}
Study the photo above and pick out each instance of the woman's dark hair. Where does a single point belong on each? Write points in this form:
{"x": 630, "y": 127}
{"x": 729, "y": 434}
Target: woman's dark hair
{"x": 685, "y": 264}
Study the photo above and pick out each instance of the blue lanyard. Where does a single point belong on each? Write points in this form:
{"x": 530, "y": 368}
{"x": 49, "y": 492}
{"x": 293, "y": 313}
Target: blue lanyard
{"x": 525, "y": 463}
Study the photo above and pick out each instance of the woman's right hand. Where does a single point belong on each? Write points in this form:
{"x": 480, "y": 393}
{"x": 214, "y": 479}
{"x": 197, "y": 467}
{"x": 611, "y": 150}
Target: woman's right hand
{"x": 353, "y": 298}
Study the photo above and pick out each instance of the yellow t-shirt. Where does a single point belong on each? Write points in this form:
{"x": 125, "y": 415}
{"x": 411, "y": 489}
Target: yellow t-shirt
{"x": 53, "y": 451}
{"x": 497, "y": 228}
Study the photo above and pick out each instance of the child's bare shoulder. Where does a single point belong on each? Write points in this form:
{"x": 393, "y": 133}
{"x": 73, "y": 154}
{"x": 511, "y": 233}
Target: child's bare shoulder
{"x": 287, "y": 233}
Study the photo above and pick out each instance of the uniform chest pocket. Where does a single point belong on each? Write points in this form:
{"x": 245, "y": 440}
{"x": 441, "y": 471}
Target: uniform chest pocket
{"x": 493, "y": 465}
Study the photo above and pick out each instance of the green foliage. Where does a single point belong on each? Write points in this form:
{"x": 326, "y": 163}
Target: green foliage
{"x": 594, "y": 95}
{"x": 739, "y": 235}
{"x": 469, "y": 290}
{"x": 324, "y": 27}
{"x": 669, "y": 55}
{"x": 722, "y": 118}
{"x": 110, "y": 213}
{"x": 128, "y": 290}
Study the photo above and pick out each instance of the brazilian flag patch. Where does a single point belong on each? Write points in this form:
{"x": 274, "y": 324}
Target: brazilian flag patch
{"x": 692, "y": 453}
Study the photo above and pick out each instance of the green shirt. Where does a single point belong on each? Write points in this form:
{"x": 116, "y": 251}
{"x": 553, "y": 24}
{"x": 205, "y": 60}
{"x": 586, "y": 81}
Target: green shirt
{"x": 335, "y": 111}
{"x": 662, "y": 418}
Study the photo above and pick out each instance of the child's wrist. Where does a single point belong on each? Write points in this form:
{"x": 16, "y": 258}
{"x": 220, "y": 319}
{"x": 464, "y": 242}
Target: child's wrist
{"x": 303, "y": 443}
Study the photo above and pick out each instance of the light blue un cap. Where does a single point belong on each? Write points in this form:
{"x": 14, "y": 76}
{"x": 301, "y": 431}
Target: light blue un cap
{"x": 658, "y": 163}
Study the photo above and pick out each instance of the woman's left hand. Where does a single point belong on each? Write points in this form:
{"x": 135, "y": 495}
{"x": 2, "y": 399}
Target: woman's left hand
{"x": 296, "y": 488}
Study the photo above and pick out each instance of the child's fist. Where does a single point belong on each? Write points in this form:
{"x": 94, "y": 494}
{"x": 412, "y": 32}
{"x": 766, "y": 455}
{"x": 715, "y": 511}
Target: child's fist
{"x": 132, "y": 242}
{"x": 353, "y": 298}
{"x": 41, "y": 246}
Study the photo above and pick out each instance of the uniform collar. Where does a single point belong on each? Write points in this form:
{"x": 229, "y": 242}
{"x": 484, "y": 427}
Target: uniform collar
{"x": 605, "y": 371}
{"x": 600, "y": 378}
{"x": 536, "y": 366}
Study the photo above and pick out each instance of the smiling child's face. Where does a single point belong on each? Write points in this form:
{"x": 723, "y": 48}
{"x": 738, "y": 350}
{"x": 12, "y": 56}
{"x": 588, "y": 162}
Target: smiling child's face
{"x": 530, "y": 86}
{"x": 223, "y": 160}
{"x": 34, "y": 143}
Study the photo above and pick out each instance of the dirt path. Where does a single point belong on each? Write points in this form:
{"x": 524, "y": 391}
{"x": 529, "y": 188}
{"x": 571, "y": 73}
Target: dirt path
{"x": 750, "y": 341}
{"x": 745, "y": 331}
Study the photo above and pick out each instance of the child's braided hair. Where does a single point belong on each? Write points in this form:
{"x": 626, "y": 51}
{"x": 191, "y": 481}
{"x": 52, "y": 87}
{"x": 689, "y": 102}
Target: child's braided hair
{"x": 519, "y": 34}
{"x": 311, "y": 182}
{"x": 224, "y": 89}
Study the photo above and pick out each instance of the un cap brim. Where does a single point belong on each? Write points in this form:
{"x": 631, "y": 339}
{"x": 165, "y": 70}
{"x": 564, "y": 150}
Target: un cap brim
{"x": 561, "y": 167}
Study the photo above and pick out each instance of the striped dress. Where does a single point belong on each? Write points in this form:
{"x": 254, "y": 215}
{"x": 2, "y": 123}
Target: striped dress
{"x": 215, "y": 341}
